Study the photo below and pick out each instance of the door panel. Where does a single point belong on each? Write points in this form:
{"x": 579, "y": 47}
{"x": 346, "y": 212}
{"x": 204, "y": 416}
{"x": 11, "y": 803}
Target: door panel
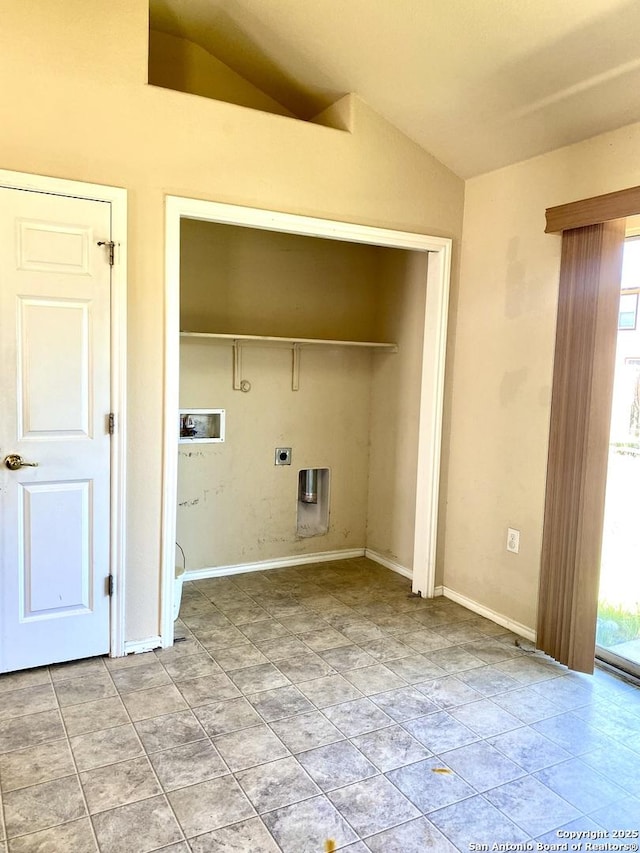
{"x": 52, "y": 247}
{"x": 55, "y": 532}
{"x": 55, "y": 381}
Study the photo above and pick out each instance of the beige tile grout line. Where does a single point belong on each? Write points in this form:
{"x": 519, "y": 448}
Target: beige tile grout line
{"x": 66, "y": 739}
{"x": 320, "y": 792}
{"x": 205, "y": 737}
{"x": 165, "y": 793}
{"x": 73, "y": 758}
{"x": 155, "y": 775}
{"x": 291, "y": 754}
{"x": 210, "y": 739}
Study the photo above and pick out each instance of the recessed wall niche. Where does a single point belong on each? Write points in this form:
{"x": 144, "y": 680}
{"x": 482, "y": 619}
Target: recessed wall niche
{"x": 216, "y": 59}
{"x": 354, "y": 412}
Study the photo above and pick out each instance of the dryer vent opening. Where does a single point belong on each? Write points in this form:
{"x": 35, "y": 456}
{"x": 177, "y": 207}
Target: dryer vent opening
{"x": 313, "y": 502}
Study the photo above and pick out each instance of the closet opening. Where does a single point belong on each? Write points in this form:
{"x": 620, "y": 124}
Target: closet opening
{"x": 323, "y": 345}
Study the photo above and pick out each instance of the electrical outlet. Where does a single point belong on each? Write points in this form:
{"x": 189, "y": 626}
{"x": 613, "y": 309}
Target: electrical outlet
{"x": 513, "y": 540}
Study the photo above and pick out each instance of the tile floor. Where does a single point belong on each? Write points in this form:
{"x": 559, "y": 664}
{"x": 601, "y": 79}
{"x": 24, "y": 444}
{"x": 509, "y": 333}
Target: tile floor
{"x": 313, "y": 703}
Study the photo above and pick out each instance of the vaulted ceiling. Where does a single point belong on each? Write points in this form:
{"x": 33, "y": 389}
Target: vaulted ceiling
{"x": 478, "y": 83}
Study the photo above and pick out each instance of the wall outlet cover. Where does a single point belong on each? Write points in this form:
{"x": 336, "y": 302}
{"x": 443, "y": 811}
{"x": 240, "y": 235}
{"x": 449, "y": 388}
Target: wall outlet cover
{"x": 513, "y": 540}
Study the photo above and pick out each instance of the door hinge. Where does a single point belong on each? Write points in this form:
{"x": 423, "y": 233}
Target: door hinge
{"x": 110, "y": 585}
{"x": 112, "y": 423}
{"x": 112, "y": 250}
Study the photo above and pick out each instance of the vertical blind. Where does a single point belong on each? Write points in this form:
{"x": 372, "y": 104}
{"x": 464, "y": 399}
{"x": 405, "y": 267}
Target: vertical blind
{"x": 586, "y": 333}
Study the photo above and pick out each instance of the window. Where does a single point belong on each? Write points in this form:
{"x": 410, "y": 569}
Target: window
{"x": 628, "y": 314}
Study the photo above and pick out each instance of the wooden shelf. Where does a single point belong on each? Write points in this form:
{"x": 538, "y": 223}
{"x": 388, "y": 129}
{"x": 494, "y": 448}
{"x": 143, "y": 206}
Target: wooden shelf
{"x": 296, "y": 344}
{"x": 275, "y": 341}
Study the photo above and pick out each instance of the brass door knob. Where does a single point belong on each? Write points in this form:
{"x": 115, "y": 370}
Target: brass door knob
{"x": 14, "y": 461}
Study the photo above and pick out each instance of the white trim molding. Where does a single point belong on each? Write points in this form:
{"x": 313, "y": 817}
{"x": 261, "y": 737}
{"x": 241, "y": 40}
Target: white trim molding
{"x": 388, "y": 563}
{"x": 430, "y": 421}
{"x": 431, "y": 380}
{"x": 278, "y": 563}
{"x": 117, "y": 198}
{"x": 138, "y": 647}
{"x": 488, "y": 613}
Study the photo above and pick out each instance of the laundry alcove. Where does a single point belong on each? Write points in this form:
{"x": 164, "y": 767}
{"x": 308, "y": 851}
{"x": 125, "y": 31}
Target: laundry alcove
{"x": 319, "y": 345}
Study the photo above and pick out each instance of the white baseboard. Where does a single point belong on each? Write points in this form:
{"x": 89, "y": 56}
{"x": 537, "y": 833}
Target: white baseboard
{"x": 281, "y": 563}
{"x": 387, "y": 563}
{"x": 505, "y": 621}
{"x": 135, "y": 647}
{"x": 438, "y": 590}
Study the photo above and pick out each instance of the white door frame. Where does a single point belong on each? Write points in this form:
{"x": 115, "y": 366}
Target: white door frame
{"x": 118, "y": 199}
{"x": 432, "y": 380}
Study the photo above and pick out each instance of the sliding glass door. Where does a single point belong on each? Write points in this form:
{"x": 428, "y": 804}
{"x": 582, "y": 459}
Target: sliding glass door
{"x": 618, "y": 626}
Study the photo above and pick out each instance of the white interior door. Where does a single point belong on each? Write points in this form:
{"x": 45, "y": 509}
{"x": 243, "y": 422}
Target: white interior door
{"x": 55, "y": 388}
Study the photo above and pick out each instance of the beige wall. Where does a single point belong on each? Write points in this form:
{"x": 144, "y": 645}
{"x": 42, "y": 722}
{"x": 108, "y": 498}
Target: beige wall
{"x": 395, "y": 407}
{"x": 254, "y": 282}
{"x": 501, "y": 372}
{"x": 234, "y": 505}
{"x": 75, "y": 105}
{"x": 177, "y": 63}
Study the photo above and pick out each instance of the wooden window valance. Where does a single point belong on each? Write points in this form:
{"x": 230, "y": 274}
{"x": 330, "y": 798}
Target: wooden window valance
{"x": 593, "y": 211}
